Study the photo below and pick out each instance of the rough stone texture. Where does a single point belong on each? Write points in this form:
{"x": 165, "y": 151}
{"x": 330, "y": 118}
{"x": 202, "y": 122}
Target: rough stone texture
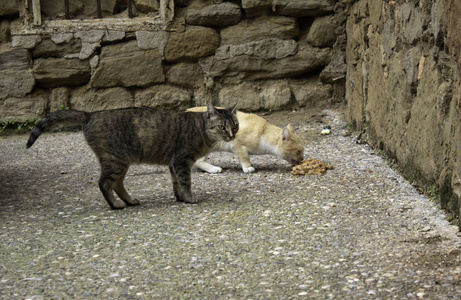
{"x": 59, "y": 99}
{"x": 202, "y": 59}
{"x": 8, "y": 7}
{"x": 59, "y": 38}
{"x": 25, "y": 41}
{"x": 214, "y": 15}
{"x": 256, "y": 8}
{"x": 186, "y": 74}
{"x": 54, "y": 72}
{"x": 48, "y": 48}
{"x": 336, "y": 69}
{"x": 113, "y": 35}
{"x": 254, "y": 96}
{"x": 251, "y": 67}
{"x": 23, "y": 109}
{"x": 168, "y": 97}
{"x": 303, "y": 8}
{"x": 153, "y": 40}
{"x": 127, "y": 65}
{"x": 266, "y": 27}
{"x": 195, "y": 42}
{"x": 401, "y": 83}
{"x": 322, "y": 32}
{"x": 88, "y": 99}
{"x": 311, "y": 92}
{"x": 266, "y": 49}
{"x": 16, "y": 83}
{"x": 146, "y": 6}
{"x": 5, "y": 29}
{"x": 16, "y": 78}
{"x": 91, "y": 36}
{"x": 15, "y": 59}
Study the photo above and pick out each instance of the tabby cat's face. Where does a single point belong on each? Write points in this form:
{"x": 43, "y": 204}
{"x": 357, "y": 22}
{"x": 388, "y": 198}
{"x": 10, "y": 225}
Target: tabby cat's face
{"x": 222, "y": 123}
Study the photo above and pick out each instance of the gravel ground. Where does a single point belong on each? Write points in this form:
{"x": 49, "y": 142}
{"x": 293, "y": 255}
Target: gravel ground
{"x": 358, "y": 232}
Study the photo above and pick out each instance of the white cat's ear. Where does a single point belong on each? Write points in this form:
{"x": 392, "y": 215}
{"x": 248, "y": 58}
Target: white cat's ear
{"x": 291, "y": 128}
{"x": 286, "y": 134}
{"x": 211, "y": 111}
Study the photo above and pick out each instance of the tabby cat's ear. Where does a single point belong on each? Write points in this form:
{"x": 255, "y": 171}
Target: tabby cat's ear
{"x": 211, "y": 111}
{"x": 234, "y": 109}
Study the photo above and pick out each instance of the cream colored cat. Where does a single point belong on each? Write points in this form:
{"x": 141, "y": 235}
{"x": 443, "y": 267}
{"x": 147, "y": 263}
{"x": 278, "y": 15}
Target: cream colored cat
{"x": 256, "y": 136}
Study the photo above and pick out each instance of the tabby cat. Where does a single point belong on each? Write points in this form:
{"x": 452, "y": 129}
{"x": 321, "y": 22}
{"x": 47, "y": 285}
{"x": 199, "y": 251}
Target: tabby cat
{"x": 256, "y": 136}
{"x": 122, "y": 137}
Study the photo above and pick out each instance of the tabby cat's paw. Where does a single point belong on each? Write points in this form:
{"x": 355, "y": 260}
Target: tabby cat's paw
{"x": 132, "y": 202}
{"x": 117, "y": 204}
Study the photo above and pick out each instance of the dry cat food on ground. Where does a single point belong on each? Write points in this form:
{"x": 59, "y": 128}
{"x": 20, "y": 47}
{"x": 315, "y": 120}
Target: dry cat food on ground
{"x": 311, "y": 167}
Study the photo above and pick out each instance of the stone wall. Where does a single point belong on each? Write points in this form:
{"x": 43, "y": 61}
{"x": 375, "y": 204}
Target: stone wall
{"x": 263, "y": 54}
{"x": 403, "y": 87}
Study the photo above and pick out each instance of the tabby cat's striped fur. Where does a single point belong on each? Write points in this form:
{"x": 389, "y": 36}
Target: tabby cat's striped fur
{"x": 122, "y": 137}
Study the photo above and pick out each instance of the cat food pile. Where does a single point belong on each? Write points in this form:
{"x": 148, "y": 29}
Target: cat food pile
{"x": 311, "y": 167}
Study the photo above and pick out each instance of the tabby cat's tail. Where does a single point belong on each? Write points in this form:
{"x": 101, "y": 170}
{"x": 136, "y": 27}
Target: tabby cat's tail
{"x": 71, "y": 117}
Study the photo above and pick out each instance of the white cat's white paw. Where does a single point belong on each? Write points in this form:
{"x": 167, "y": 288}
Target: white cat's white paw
{"x": 214, "y": 169}
{"x": 248, "y": 170}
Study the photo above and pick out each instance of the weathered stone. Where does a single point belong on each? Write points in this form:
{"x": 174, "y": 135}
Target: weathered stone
{"x": 252, "y": 67}
{"x": 90, "y": 36}
{"x": 153, "y": 40}
{"x": 186, "y": 74}
{"x": 5, "y": 31}
{"x": 25, "y": 41}
{"x": 322, "y": 32}
{"x": 192, "y": 44}
{"x": 23, "y": 109}
{"x": 48, "y": 48}
{"x": 311, "y": 92}
{"x": 113, "y": 35}
{"x": 54, "y": 72}
{"x": 336, "y": 69}
{"x": 401, "y": 88}
{"x": 16, "y": 79}
{"x": 223, "y": 14}
{"x": 127, "y": 65}
{"x": 254, "y": 96}
{"x": 88, "y": 49}
{"x": 265, "y": 49}
{"x": 88, "y": 99}
{"x": 53, "y": 8}
{"x": 16, "y": 83}
{"x": 164, "y": 96}
{"x": 59, "y": 38}
{"x": 8, "y": 7}
{"x": 413, "y": 23}
{"x": 15, "y": 59}
{"x": 146, "y": 6}
{"x": 259, "y": 29}
{"x": 303, "y": 8}
{"x": 256, "y": 8}
{"x": 59, "y": 99}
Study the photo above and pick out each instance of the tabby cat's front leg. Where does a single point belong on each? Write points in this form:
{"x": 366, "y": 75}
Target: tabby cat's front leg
{"x": 180, "y": 176}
